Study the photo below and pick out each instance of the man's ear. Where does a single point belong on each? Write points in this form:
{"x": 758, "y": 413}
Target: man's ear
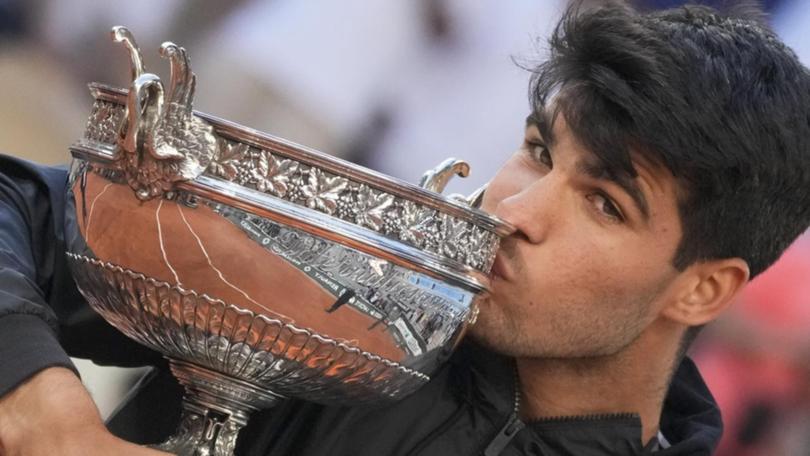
{"x": 706, "y": 290}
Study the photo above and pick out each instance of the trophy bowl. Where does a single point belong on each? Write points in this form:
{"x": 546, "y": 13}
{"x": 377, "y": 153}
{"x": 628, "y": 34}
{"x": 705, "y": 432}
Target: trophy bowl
{"x": 259, "y": 268}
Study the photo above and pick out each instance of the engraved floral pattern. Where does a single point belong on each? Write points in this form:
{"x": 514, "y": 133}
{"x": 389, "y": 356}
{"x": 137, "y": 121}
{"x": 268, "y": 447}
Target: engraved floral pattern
{"x": 371, "y": 207}
{"x": 272, "y": 174}
{"x": 322, "y": 190}
{"x": 104, "y": 122}
{"x": 354, "y": 202}
{"x": 231, "y": 159}
{"x": 298, "y": 179}
{"x": 476, "y": 247}
{"x": 347, "y": 207}
{"x": 453, "y": 229}
{"x": 416, "y": 224}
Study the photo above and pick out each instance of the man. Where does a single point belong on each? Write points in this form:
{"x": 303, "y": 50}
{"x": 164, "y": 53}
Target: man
{"x": 665, "y": 163}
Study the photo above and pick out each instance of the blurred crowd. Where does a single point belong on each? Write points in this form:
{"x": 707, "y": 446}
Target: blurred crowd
{"x": 398, "y": 86}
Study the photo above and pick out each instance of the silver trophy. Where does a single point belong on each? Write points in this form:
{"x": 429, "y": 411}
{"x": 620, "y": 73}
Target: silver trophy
{"x": 260, "y": 268}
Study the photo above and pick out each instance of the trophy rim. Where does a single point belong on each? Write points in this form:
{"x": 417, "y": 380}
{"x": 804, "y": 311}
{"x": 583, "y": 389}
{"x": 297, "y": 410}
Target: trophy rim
{"x": 326, "y": 227}
{"x": 452, "y": 260}
{"x": 326, "y": 162}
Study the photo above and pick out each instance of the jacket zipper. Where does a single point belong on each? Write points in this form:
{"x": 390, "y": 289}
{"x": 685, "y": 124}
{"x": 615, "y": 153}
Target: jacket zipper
{"x": 594, "y": 417}
{"x": 514, "y": 424}
{"x": 511, "y": 428}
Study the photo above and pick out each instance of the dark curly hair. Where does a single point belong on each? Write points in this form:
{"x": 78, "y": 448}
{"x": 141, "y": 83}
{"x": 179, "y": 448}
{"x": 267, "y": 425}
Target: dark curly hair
{"x": 716, "y": 98}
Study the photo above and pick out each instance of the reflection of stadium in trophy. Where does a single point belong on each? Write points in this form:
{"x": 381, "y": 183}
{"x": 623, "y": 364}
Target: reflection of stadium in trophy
{"x": 421, "y": 313}
{"x": 260, "y": 268}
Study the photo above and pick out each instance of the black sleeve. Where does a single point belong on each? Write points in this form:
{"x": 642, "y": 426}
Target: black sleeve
{"x": 43, "y": 317}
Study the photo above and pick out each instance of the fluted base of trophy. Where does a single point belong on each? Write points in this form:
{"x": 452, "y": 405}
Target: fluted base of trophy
{"x": 215, "y": 408}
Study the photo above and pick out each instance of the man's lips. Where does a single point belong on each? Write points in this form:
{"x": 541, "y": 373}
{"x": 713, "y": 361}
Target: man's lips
{"x": 500, "y": 269}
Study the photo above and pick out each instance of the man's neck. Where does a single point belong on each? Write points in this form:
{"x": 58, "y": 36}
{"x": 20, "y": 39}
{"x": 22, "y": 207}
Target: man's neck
{"x": 632, "y": 381}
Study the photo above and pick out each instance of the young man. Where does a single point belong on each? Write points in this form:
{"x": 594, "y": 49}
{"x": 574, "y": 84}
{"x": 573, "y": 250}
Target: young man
{"x": 665, "y": 163}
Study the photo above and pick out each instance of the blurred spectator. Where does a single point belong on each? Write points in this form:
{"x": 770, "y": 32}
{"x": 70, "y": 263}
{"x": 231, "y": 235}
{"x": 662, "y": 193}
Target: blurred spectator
{"x": 14, "y": 21}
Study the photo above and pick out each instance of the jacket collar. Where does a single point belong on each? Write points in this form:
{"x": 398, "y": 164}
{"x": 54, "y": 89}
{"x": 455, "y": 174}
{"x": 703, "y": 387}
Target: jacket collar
{"x": 690, "y": 418}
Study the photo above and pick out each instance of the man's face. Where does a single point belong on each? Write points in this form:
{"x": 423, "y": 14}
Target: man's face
{"x": 590, "y": 265}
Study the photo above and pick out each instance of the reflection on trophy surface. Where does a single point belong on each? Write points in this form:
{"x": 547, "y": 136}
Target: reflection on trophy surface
{"x": 262, "y": 269}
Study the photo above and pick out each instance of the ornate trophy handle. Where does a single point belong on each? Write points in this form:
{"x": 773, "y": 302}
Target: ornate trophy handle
{"x": 475, "y": 198}
{"x": 161, "y": 141}
{"x": 121, "y": 34}
{"x": 437, "y": 178}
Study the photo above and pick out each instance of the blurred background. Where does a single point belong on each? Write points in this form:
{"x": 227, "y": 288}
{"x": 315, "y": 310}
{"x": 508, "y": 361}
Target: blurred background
{"x": 397, "y": 86}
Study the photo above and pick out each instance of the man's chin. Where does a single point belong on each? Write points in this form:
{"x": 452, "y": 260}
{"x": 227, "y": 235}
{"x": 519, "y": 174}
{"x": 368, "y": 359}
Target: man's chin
{"x": 496, "y": 334}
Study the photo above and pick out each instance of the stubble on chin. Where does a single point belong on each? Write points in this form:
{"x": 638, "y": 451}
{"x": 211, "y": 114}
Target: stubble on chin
{"x": 492, "y": 330}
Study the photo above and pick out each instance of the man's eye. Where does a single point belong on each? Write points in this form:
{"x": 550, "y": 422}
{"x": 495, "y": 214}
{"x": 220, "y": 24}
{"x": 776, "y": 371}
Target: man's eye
{"x": 541, "y": 154}
{"x": 604, "y": 205}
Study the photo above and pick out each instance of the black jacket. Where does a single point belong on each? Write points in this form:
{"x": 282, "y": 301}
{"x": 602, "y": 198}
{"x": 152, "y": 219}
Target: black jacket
{"x": 467, "y": 408}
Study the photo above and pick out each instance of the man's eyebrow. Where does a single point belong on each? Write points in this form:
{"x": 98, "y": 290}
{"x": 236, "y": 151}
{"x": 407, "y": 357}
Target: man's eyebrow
{"x": 542, "y": 120}
{"x": 598, "y": 170}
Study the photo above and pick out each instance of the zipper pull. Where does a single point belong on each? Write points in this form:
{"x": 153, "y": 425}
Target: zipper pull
{"x": 505, "y": 435}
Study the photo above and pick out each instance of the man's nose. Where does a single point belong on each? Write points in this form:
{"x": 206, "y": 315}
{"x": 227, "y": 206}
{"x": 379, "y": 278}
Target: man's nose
{"x": 531, "y": 210}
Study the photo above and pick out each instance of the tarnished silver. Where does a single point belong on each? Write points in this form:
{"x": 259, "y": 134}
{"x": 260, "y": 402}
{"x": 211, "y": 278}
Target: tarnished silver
{"x": 262, "y": 269}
